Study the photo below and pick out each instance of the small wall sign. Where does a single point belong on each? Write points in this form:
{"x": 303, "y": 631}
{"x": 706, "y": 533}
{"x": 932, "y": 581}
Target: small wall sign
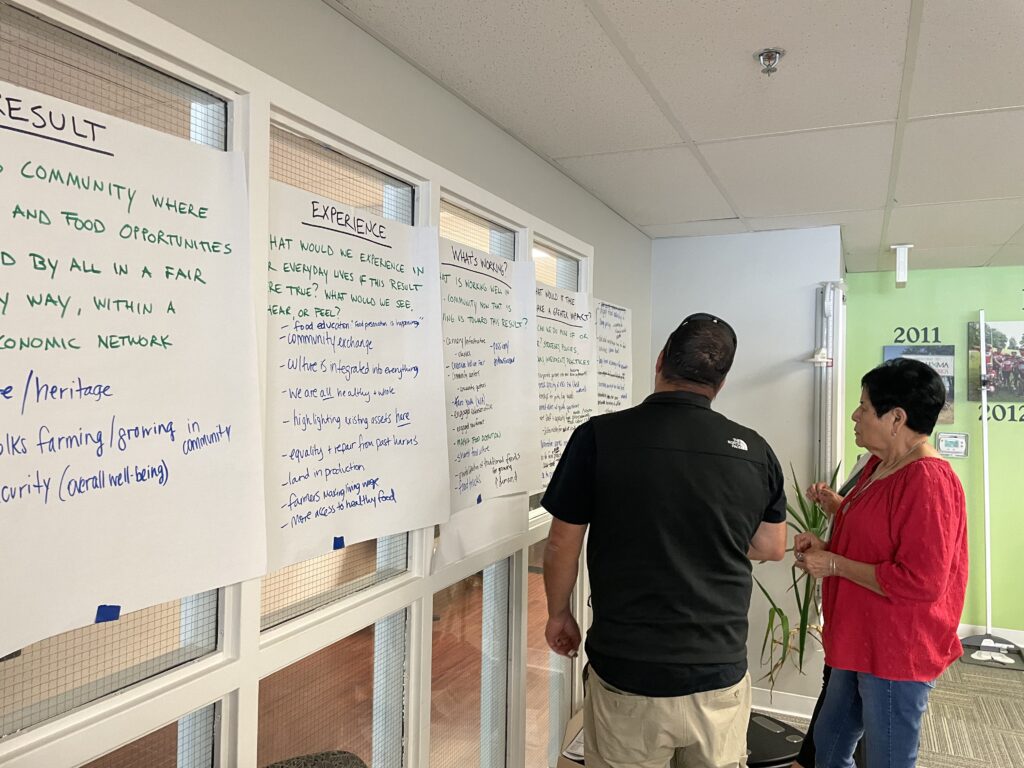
{"x": 952, "y": 445}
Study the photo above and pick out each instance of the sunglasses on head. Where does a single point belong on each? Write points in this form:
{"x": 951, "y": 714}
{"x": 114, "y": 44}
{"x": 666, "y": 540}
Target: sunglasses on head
{"x": 713, "y": 319}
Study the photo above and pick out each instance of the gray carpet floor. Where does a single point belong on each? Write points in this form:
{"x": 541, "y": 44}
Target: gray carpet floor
{"x": 975, "y": 719}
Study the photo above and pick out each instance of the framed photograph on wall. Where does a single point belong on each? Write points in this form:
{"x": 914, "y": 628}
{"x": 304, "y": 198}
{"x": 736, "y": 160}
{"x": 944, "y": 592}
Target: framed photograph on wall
{"x": 938, "y": 356}
{"x": 1004, "y": 361}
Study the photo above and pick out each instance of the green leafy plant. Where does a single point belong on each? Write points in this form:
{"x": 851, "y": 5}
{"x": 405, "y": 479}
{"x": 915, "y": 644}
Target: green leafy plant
{"x": 786, "y": 639}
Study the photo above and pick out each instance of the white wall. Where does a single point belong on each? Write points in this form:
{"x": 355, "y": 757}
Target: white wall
{"x": 314, "y": 49}
{"x": 764, "y": 285}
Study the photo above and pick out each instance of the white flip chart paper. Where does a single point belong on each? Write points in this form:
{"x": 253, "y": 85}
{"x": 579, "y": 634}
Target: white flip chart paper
{"x": 356, "y": 444}
{"x": 614, "y": 357}
{"x": 489, "y": 321}
{"x": 130, "y": 457}
{"x": 566, "y": 362}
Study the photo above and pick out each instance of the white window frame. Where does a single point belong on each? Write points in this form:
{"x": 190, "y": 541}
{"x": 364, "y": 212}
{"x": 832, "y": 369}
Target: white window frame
{"x": 231, "y": 675}
{"x": 521, "y": 232}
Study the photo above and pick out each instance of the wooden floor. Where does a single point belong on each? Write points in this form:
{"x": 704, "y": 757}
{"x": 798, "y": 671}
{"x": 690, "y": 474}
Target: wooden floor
{"x": 156, "y": 750}
{"x": 325, "y": 701}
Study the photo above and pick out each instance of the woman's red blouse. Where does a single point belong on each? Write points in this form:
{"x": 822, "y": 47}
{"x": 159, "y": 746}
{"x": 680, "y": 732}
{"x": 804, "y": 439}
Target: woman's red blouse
{"x": 912, "y": 525}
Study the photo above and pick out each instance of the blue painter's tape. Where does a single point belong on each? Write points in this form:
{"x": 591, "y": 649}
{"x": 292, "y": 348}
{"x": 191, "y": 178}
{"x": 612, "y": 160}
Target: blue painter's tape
{"x": 108, "y": 613}
{"x": 339, "y": 542}
{"x": 479, "y": 499}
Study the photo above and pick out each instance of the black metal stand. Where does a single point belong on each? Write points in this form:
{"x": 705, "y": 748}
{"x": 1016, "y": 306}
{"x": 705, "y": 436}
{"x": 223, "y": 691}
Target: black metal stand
{"x": 771, "y": 743}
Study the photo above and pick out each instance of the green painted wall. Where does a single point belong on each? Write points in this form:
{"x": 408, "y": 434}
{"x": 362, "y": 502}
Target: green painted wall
{"x": 949, "y": 299}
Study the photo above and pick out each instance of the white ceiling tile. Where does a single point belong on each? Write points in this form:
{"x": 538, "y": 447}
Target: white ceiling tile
{"x": 950, "y": 258}
{"x": 1010, "y": 255}
{"x": 814, "y": 171}
{"x": 869, "y": 260}
{"x": 542, "y": 69}
{"x": 981, "y": 222}
{"x": 696, "y": 228}
{"x": 922, "y": 258}
{"x": 843, "y": 62}
{"x": 968, "y": 57}
{"x": 962, "y": 157}
{"x": 550, "y": 73}
{"x": 861, "y": 230}
{"x": 652, "y": 186}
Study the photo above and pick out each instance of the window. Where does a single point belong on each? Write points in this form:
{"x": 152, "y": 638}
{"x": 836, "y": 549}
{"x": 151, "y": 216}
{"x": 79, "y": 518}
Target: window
{"x": 469, "y": 674}
{"x": 56, "y": 675}
{"x": 467, "y": 228}
{"x": 555, "y": 269}
{"x": 303, "y": 587}
{"x": 547, "y": 673}
{"x": 187, "y": 743}
{"x": 348, "y": 697}
{"x": 38, "y": 55}
{"x": 53, "y": 676}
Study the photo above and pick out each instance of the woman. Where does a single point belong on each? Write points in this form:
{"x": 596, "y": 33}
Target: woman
{"x": 894, "y": 571}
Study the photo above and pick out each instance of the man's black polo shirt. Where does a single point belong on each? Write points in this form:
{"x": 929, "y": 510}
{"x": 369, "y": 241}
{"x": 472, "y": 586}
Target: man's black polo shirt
{"x": 673, "y": 493}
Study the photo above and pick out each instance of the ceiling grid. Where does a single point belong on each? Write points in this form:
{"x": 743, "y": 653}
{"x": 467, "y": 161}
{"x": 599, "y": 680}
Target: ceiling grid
{"x": 598, "y": 12}
{"x": 906, "y": 82}
{"x": 889, "y": 118}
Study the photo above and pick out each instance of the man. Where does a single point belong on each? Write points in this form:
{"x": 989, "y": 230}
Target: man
{"x": 679, "y": 500}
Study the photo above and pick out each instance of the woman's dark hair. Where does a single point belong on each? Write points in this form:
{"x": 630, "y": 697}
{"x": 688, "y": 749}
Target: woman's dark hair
{"x": 700, "y": 350}
{"x": 910, "y": 385}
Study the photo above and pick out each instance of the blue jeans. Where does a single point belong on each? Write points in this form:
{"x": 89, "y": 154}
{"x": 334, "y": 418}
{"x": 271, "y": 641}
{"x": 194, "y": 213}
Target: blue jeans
{"x": 886, "y": 712}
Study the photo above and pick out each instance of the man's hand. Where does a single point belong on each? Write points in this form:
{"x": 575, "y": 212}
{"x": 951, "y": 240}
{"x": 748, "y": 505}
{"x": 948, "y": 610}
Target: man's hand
{"x": 561, "y": 561}
{"x": 563, "y": 635}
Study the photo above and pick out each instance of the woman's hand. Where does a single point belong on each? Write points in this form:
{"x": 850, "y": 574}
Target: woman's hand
{"x": 806, "y": 544}
{"x": 806, "y": 541}
{"x": 817, "y": 562}
{"x": 822, "y": 495}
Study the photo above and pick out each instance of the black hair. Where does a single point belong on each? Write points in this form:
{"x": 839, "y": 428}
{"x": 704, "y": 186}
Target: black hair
{"x": 700, "y": 350}
{"x": 908, "y": 384}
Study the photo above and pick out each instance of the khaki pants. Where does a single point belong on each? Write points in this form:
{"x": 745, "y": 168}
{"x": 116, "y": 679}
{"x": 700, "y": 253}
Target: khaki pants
{"x": 703, "y": 730}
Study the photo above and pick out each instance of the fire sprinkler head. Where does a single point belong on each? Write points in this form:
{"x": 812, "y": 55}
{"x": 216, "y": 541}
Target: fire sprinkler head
{"x": 769, "y": 59}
